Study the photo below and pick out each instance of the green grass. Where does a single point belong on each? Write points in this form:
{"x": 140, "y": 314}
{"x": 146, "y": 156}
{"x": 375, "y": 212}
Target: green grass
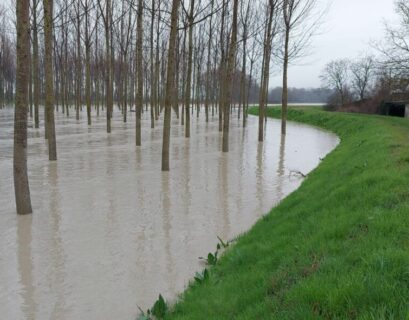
{"x": 337, "y": 248}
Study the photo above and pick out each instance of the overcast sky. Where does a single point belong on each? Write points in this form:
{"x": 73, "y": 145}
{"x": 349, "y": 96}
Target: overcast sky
{"x": 349, "y": 27}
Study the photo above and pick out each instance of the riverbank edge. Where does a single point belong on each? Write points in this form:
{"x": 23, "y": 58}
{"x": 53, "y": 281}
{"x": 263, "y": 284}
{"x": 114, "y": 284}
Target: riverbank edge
{"x": 336, "y": 248}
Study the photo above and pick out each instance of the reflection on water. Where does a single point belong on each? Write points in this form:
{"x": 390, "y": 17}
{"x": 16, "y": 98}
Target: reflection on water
{"x": 110, "y": 231}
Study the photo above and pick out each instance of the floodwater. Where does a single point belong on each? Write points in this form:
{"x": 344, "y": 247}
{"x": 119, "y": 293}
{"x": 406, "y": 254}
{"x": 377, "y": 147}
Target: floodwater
{"x": 110, "y": 231}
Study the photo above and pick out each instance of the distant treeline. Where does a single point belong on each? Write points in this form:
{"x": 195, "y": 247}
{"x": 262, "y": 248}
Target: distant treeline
{"x": 300, "y": 95}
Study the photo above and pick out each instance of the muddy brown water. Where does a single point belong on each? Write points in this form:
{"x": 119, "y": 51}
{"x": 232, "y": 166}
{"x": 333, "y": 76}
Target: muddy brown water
{"x": 110, "y": 231}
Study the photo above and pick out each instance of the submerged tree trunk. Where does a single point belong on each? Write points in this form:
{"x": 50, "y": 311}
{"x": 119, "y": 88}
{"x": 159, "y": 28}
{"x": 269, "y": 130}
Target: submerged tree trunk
{"x": 244, "y": 65}
{"x": 87, "y": 63}
{"x": 170, "y": 84}
{"x": 229, "y": 77}
{"x": 48, "y": 66}
{"x": 78, "y": 102}
{"x": 35, "y": 66}
{"x": 209, "y": 63}
{"x": 285, "y": 86}
{"x": 266, "y": 70}
{"x": 21, "y": 186}
{"x": 188, "y": 90}
{"x": 287, "y": 12}
{"x": 139, "y": 95}
{"x": 222, "y": 67}
{"x": 108, "y": 61}
{"x": 152, "y": 65}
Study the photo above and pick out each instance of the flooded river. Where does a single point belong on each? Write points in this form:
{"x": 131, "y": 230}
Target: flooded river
{"x": 110, "y": 231}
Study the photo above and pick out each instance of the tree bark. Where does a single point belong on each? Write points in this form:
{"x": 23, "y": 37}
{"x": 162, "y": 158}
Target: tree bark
{"x": 222, "y": 67}
{"x": 170, "y": 84}
{"x": 265, "y": 71}
{"x": 209, "y": 63}
{"x": 87, "y": 63}
{"x": 36, "y": 73}
{"x": 229, "y": 77}
{"x": 78, "y": 67}
{"x": 188, "y": 90}
{"x": 21, "y": 185}
{"x": 284, "y": 106}
{"x": 139, "y": 96}
{"x": 49, "y": 88}
{"x": 152, "y": 65}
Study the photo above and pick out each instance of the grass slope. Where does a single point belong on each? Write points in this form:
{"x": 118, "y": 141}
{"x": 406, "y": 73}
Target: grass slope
{"x": 337, "y": 248}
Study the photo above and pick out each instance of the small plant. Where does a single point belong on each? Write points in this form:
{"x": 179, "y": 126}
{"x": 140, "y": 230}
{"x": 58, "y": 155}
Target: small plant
{"x": 201, "y": 277}
{"x": 158, "y": 310}
{"x": 144, "y": 316}
{"x": 212, "y": 259}
{"x": 222, "y": 243}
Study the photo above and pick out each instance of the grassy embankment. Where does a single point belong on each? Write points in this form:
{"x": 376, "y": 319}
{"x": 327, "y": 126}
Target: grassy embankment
{"x": 337, "y": 248}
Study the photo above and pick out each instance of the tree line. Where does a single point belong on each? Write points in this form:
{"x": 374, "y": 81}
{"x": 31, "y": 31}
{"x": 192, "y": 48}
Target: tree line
{"x": 155, "y": 56}
{"x": 373, "y": 78}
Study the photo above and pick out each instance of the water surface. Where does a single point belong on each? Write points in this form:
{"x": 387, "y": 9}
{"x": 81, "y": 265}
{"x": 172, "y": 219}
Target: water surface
{"x": 110, "y": 231}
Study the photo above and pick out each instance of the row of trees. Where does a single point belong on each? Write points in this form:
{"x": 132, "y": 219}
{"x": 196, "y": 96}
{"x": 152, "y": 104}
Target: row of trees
{"x": 374, "y": 78}
{"x": 350, "y": 80}
{"x": 165, "y": 55}
{"x": 7, "y": 61}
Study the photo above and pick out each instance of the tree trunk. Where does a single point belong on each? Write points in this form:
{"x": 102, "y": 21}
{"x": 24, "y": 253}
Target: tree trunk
{"x": 287, "y": 12}
{"x": 152, "y": 93}
{"x": 88, "y": 64}
{"x": 209, "y": 64}
{"x": 170, "y": 84}
{"x": 21, "y": 186}
{"x": 265, "y": 73}
{"x": 108, "y": 79}
{"x": 188, "y": 90}
{"x": 30, "y": 83}
{"x": 229, "y": 77}
{"x": 284, "y": 106}
{"x": 78, "y": 67}
{"x": 139, "y": 97}
{"x": 48, "y": 66}
{"x": 222, "y": 68}
{"x": 36, "y": 71}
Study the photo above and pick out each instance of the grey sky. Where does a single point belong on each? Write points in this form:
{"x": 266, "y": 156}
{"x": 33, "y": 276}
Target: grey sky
{"x": 350, "y": 26}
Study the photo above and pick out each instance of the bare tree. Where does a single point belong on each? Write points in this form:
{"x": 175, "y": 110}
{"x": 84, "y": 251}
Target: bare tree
{"x": 87, "y": 42}
{"x": 270, "y": 32}
{"x": 227, "y": 85}
{"x": 395, "y": 47}
{"x": 21, "y": 186}
{"x": 152, "y": 65}
{"x": 188, "y": 90}
{"x": 170, "y": 84}
{"x": 107, "y": 19}
{"x": 362, "y": 75}
{"x": 336, "y": 76}
{"x": 139, "y": 99}
{"x": 35, "y": 66}
{"x": 300, "y": 23}
{"x": 245, "y": 17}
{"x": 49, "y": 87}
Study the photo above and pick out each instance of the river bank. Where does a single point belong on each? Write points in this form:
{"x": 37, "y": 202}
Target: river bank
{"x": 337, "y": 248}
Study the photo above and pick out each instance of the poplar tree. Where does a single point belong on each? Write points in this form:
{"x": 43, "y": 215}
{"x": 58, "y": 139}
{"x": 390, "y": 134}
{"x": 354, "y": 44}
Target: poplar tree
{"x": 21, "y": 185}
{"x": 170, "y": 84}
